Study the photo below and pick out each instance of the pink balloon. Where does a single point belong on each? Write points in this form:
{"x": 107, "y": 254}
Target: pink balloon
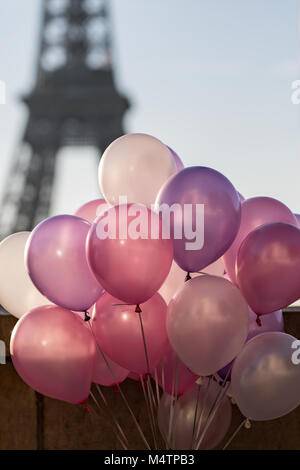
{"x": 177, "y": 159}
{"x": 207, "y": 215}
{"x": 56, "y": 262}
{"x": 118, "y": 331}
{"x": 92, "y": 209}
{"x": 105, "y": 375}
{"x": 131, "y": 265}
{"x": 268, "y": 266}
{"x": 207, "y": 323}
{"x": 172, "y": 375}
{"x": 255, "y": 212}
{"x": 54, "y": 353}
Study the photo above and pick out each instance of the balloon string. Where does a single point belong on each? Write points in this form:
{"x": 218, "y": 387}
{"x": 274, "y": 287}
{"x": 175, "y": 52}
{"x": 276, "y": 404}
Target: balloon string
{"x": 119, "y": 388}
{"x": 175, "y": 402}
{"x": 111, "y": 414}
{"x": 258, "y": 320}
{"x": 147, "y": 401}
{"x": 111, "y": 426}
{"x": 202, "y": 412}
{"x": 138, "y": 310}
{"x": 243, "y": 424}
{"x": 195, "y": 415}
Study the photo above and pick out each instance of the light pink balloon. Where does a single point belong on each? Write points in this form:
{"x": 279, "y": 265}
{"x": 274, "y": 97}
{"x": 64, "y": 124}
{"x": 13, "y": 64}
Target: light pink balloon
{"x": 92, "y": 209}
{"x": 131, "y": 265}
{"x": 118, "y": 331}
{"x": 184, "y": 417}
{"x": 207, "y": 323}
{"x": 54, "y": 353}
{"x": 172, "y": 375}
{"x": 255, "y": 212}
{"x": 178, "y": 162}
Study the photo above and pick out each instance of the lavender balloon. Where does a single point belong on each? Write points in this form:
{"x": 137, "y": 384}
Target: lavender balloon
{"x": 265, "y": 382}
{"x": 256, "y": 212}
{"x": 188, "y": 189}
{"x": 268, "y": 267}
{"x": 57, "y": 264}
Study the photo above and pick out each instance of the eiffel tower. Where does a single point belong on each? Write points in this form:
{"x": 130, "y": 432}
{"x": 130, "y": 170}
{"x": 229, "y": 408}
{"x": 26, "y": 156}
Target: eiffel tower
{"x": 74, "y": 102}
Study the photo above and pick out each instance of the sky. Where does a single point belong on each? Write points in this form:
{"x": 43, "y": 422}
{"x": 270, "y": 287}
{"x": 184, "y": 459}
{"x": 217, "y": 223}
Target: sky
{"x": 211, "y": 78}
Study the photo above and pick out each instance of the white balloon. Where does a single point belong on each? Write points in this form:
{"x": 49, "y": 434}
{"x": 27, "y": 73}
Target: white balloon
{"x": 18, "y": 295}
{"x": 135, "y": 166}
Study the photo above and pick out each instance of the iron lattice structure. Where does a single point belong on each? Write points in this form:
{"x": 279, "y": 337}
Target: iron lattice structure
{"x": 74, "y": 102}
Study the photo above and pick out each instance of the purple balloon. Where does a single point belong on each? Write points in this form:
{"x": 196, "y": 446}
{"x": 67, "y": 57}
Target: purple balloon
{"x": 268, "y": 267}
{"x": 297, "y": 216}
{"x": 57, "y": 264}
{"x": 222, "y": 212}
{"x": 270, "y": 322}
{"x": 177, "y": 159}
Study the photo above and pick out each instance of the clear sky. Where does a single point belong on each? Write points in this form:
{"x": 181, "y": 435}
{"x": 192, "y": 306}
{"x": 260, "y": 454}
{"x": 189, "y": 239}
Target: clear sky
{"x": 211, "y": 78}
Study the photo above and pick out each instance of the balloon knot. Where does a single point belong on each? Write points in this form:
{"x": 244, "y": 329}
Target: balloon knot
{"x": 188, "y": 276}
{"x": 138, "y": 309}
{"x": 86, "y": 409}
{"x": 116, "y": 390}
{"x": 258, "y": 320}
{"x": 86, "y": 316}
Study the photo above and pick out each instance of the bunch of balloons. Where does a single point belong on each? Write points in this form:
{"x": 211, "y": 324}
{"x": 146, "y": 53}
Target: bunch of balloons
{"x": 115, "y": 291}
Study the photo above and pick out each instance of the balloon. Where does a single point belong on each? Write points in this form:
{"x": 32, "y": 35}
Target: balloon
{"x": 130, "y": 266}
{"x": 177, "y": 160}
{"x": 270, "y": 322}
{"x": 57, "y": 264}
{"x": 265, "y": 382}
{"x": 172, "y": 375}
{"x": 135, "y": 166}
{"x": 268, "y": 266}
{"x": 176, "y": 278}
{"x": 297, "y": 216}
{"x": 206, "y": 316}
{"x": 184, "y": 417}
{"x": 242, "y": 198}
{"x": 256, "y": 212}
{"x": 200, "y": 243}
{"x": 92, "y": 209}
{"x": 54, "y": 353}
{"x": 18, "y": 295}
{"x": 118, "y": 331}
{"x": 108, "y": 376}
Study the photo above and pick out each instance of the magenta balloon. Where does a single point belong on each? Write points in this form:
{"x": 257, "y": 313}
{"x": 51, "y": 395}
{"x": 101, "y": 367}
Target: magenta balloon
{"x": 108, "y": 375}
{"x": 92, "y": 209}
{"x": 268, "y": 266}
{"x": 181, "y": 433}
{"x": 172, "y": 375}
{"x": 54, "y": 353}
{"x": 118, "y": 331}
{"x": 56, "y": 262}
{"x": 256, "y": 212}
{"x": 131, "y": 269}
{"x": 177, "y": 159}
{"x": 222, "y": 207}
{"x": 265, "y": 382}
{"x": 206, "y": 316}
